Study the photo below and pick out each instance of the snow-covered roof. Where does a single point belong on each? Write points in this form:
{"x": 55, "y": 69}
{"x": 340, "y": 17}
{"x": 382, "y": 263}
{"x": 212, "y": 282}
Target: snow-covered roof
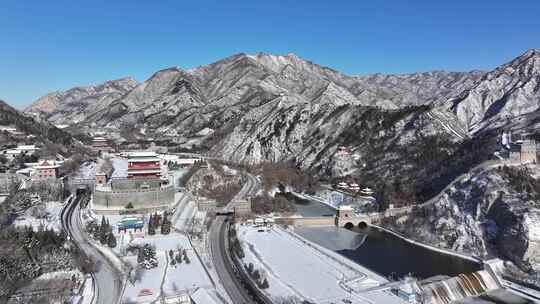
{"x": 13, "y": 151}
{"x": 26, "y": 147}
{"x": 143, "y": 154}
{"x": 143, "y": 159}
{"x": 47, "y": 164}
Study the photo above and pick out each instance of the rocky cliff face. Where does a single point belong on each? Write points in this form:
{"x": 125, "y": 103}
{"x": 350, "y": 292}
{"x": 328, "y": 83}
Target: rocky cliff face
{"x": 501, "y": 96}
{"x": 485, "y": 214}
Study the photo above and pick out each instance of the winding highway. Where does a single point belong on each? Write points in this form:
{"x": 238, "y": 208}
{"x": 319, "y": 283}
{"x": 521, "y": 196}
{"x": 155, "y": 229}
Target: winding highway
{"x": 220, "y": 256}
{"x": 108, "y": 282}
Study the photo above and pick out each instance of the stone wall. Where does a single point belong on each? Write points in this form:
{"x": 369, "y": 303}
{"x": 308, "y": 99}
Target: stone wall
{"x": 307, "y": 221}
{"x": 139, "y": 198}
{"x": 120, "y": 184}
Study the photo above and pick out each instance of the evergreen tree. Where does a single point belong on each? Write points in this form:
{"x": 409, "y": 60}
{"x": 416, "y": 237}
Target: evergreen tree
{"x": 264, "y": 284}
{"x": 151, "y": 227}
{"x": 103, "y": 231}
{"x": 111, "y": 242}
{"x": 157, "y": 220}
{"x": 186, "y": 258}
{"x": 256, "y": 275}
{"x": 165, "y": 225}
{"x": 140, "y": 255}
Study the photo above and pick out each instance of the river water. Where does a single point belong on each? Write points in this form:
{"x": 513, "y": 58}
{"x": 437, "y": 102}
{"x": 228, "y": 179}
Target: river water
{"x": 380, "y": 251}
{"x": 387, "y": 254}
{"x": 393, "y": 257}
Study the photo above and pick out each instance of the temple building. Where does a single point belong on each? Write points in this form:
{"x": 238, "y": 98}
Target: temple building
{"x": 46, "y": 169}
{"x": 144, "y": 165}
{"x": 101, "y": 144}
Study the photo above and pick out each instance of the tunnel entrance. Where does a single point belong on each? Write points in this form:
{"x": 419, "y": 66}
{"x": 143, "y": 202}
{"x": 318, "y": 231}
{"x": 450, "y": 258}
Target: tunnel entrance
{"x": 362, "y": 225}
{"x": 80, "y": 191}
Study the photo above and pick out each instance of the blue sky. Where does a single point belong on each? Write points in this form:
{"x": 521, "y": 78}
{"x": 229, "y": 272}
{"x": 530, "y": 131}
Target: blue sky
{"x": 55, "y": 45}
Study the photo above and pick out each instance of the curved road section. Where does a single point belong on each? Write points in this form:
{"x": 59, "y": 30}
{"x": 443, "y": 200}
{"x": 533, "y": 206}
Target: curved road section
{"x": 108, "y": 283}
{"x": 222, "y": 261}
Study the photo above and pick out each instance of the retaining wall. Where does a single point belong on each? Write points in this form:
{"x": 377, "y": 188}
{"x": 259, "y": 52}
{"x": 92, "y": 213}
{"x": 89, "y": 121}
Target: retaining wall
{"x": 139, "y": 198}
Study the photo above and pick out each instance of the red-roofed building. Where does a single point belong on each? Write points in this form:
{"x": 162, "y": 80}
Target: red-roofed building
{"x": 145, "y": 165}
{"x": 46, "y": 169}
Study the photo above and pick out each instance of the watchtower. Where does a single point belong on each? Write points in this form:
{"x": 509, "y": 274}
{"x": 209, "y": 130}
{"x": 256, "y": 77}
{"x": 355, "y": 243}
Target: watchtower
{"x": 345, "y": 214}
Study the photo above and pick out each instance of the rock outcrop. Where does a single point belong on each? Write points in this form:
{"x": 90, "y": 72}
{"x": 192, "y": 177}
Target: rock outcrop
{"x": 486, "y": 214}
{"x": 501, "y": 96}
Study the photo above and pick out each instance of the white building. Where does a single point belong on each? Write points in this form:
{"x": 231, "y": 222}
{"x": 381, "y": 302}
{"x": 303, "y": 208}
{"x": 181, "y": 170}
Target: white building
{"x": 367, "y": 191}
{"x": 28, "y": 149}
{"x": 8, "y": 129}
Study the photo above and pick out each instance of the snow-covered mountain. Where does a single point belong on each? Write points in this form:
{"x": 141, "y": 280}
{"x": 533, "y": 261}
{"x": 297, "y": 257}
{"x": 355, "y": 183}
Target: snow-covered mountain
{"x": 43, "y": 132}
{"x": 230, "y": 86}
{"x": 492, "y": 211}
{"x": 502, "y": 96}
{"x": 72, "y": 106}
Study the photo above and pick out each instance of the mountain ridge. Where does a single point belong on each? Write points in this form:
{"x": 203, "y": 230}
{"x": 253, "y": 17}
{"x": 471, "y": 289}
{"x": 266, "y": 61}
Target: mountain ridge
{"x": 236, "y": 95}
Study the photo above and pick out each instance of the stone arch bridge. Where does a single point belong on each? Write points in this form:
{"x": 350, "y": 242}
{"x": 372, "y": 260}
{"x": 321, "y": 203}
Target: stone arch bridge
{"x": 346, "y": 217}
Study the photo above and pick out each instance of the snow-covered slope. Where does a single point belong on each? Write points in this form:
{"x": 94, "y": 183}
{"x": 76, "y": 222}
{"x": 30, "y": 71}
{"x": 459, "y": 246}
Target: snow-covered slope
{"x": 510, "y": 91}
{"x": 487, "y": 214}
{"x": 74, "y": 105}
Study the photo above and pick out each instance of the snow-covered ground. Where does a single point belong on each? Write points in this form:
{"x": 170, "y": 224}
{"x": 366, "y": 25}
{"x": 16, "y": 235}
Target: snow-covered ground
{"x": 120, "y": 166}
{"x": 87, "y": 170}
{"x": 184, "y": 277}
{"x": 86, "y": 292}
{"x": 51, "y": 221}
{"x": 62, "y": 286}
{"x": 307, "y": 271}
{"x": 151, "y": 279}
{"x": 168, "y": 280}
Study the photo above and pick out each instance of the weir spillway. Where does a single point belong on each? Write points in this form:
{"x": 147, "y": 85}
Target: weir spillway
{"x": 462, "y": 286}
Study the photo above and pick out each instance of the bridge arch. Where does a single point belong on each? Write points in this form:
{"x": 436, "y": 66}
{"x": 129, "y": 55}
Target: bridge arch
{"x": 349, "y": 225}
{"x": 362, "y": 225}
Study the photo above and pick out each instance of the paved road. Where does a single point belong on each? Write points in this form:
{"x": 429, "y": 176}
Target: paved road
{"x": 108, "y": 282}
{"x": 220, "y": 256}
